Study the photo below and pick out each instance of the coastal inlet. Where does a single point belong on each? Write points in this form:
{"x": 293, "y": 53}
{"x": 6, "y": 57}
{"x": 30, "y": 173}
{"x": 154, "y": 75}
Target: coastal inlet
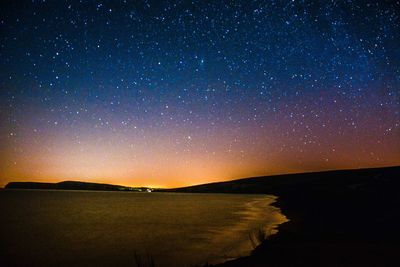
{"x": 76, "y": 228}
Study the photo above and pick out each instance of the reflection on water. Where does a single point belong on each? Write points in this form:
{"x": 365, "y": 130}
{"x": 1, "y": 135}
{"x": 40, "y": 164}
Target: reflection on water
{"x": 120, "y": 228}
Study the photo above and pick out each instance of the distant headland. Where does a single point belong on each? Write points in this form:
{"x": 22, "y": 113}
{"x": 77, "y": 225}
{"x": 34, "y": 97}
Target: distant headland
{"x": 74, "y": 185}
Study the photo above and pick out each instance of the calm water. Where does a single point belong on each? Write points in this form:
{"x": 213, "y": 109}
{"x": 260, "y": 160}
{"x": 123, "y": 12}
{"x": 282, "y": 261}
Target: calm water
{"x": 119, "y": 228}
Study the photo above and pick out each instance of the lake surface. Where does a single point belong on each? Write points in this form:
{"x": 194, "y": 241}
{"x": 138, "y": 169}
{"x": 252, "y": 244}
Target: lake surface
{"x": 81, "y": 228}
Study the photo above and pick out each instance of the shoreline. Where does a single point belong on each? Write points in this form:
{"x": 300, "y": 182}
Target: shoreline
{"x": 336, "y": 218}
{"x": 255, "y": 210}
{"x": 348, "y": 225}
{"x": 249, "y": 259}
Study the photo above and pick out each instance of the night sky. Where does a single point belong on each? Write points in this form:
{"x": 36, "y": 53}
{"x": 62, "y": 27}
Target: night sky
{"x": 172, "y": 93}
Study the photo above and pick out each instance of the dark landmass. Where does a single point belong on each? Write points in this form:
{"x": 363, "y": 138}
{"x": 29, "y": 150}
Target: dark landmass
{"x": 337, "y": 218}
{"x": 72, "y": 185}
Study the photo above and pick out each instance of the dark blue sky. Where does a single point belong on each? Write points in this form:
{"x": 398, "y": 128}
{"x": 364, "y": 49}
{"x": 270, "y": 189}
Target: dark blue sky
{"x": 179, "y": 92}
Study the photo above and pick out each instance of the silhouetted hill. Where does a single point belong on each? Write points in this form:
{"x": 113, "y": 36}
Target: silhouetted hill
{"x": 361, "y": 179}
{"x": 71, "y": 185}
{"x": 337, "y": 218}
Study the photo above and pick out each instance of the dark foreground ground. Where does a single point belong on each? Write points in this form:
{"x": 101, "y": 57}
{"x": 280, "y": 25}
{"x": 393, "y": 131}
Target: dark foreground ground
{"x": 338, "y": 218}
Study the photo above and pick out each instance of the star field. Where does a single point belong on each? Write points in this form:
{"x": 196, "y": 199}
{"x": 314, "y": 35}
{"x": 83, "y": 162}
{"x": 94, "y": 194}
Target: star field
{"x": 171, "y": 93}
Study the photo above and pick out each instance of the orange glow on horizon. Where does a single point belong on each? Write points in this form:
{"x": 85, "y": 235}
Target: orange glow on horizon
{"x": 174, "y": 157}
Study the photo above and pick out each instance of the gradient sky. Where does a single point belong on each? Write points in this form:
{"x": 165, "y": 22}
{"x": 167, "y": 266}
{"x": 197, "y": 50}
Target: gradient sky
{"x": 172, "y": 93}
